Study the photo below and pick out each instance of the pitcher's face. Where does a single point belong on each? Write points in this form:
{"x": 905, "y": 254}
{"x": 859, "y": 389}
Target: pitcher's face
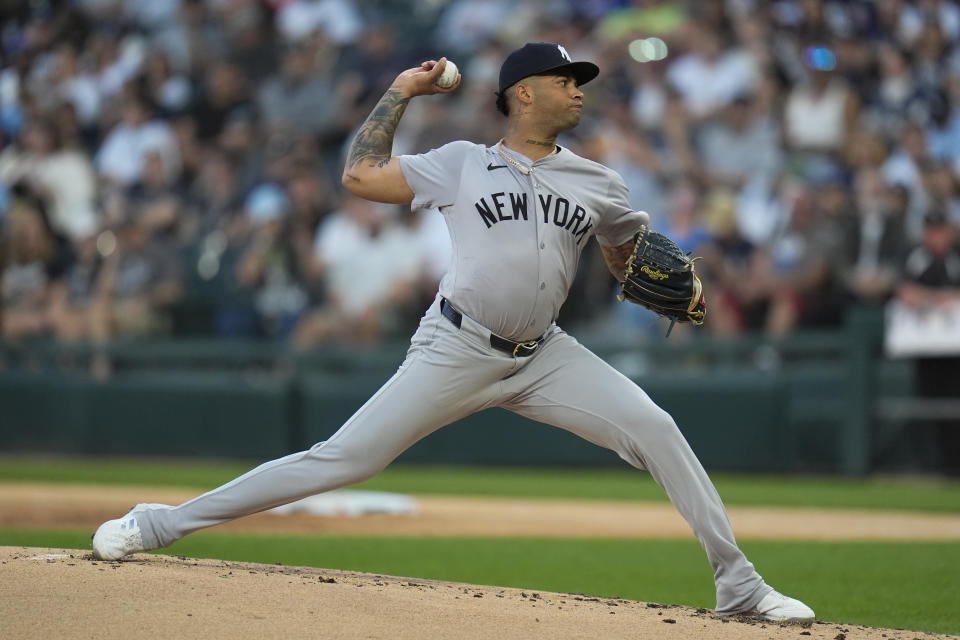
{"x": 557, "y": 100}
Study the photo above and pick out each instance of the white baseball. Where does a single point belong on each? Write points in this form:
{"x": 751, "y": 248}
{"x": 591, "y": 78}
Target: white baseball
{"x": 449, "y": 75}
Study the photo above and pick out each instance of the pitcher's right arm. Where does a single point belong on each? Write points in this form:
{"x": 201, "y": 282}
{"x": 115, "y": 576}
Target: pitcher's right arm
{"x": 370, "y": 171}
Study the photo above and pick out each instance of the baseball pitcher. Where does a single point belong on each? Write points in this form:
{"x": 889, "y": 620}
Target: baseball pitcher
{"x": 519, "y": 214}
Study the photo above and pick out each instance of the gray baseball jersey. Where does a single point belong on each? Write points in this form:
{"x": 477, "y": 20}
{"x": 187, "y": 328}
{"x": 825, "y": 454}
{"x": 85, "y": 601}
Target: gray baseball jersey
{"x": 517, "y": 237}
{"x": 517, "y": 230}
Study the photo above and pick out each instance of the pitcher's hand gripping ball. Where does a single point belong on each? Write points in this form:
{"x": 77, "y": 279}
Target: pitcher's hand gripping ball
{"x": 449, "y": 75}
{"x": 661, "y": 278}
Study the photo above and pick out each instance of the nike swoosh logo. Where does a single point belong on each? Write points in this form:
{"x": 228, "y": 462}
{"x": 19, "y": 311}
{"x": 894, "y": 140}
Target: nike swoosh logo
{"x": 491, "y": 166}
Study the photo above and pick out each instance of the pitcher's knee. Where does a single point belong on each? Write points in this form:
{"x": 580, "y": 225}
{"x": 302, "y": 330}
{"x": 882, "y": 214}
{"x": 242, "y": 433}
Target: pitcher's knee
{"x": 343, "y": 464}
{"x": 665, "y": 422}
{"x": 654, "y": 426}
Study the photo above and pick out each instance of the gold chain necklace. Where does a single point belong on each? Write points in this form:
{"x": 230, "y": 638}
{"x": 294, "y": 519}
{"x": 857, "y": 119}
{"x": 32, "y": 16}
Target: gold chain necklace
{"x": 519, "y": 167}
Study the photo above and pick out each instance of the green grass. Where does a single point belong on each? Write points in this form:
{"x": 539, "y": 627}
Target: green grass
{"x": 899, "y": 585}
{"x": 610, "y": 484}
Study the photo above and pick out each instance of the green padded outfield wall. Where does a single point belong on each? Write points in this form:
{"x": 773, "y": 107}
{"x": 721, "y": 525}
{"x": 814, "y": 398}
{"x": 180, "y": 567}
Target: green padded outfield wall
{"x": 220, "y": 414}
{"x": 228, "y": 414}
{"x": 813, "y": 415}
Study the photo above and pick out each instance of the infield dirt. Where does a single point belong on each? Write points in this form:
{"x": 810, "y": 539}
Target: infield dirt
{"x": 61, "y": 593}
{"x": 58, "y": 593}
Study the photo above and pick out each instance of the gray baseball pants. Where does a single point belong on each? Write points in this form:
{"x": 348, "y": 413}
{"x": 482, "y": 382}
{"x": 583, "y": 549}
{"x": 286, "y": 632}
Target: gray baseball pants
{"x": 450, "y": 373}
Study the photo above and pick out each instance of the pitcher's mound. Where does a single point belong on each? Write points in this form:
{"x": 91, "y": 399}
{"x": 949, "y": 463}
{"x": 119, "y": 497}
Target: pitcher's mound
{"x": 57, "y": 593}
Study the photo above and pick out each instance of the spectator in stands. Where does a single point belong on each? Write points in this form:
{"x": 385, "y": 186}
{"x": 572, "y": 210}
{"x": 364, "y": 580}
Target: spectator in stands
{"x": 155, "y": 200}
{"x": 897, "y": 87}
{"x": 214, "y": 197}
{"x": 931, "y": 280}
{"x": 711, "y": 75}
{"x": 273, "y": 263}
{"x": 137, "y": 285}
{"x": 338, "y": 19}
{"x": 121, "y": 157}
{"x": 370, "y": 265}
{"x": 433, "y": 125}
{"x": 194, "y": 40}
{"x": 856, "y": 61}
{"x": 466, "y": 25}
{"x": 224, "y": 93}
{"x": 739, "y": 146}
{"x": 479, "y": 121}
{"x": 753, "y": 32}
{"x": 76, "y": 85}
{"x": 115, "y": 65}
{"x": 821, "y": 111}
{"x": 241, "y": 140}
{"x": 301, "y": 95}
{"x": 943, "y": 129}
{"x": 72, "y": 298}
{"x": 904, "y": 167}
{"x": 151, "y": 16}
{"x": 822, "y": 296}
{"x": 253, "y": 44}
{"x": 914, "y": 17}
{"x": 679, "y": 158}
{"x": 941, "y": 187}
{"x": 648, "y": 100}
{"x": 312, "y": 197}
{"x": 803, "y": 258}
{"x": 685, "y": 224}
{"x": 208, "y": 91}
{"x": 191, "y": 149}
{"x": 930, "y": 59}
{"x": 740, "y": 292}
{"x": 864, "y": 150}
{"x": 169, "y": 90}
{"x": 36, "y": 259}
{"x": 876, "y": 241}
{"x": 63, "y": 177}
{"x": 73, "y": 135}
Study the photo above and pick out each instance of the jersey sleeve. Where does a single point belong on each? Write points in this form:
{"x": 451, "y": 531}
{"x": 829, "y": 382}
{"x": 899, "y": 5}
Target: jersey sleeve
{"x": 619, "y": 222}
{"x": 434, "y": 176}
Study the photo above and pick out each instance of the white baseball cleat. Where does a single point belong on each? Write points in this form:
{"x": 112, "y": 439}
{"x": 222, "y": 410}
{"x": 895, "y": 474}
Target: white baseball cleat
{"x": 777, "y": 607}
{"x": 115, "y": 539}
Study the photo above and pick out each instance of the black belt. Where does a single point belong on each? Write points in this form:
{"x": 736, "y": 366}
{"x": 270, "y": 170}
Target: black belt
{"x": 516, "y": 349}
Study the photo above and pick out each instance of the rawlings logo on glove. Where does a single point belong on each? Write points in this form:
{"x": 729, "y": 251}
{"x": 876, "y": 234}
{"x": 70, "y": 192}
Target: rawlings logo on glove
{"x": 656, "y": 275}
{"x": 661, "y": 278}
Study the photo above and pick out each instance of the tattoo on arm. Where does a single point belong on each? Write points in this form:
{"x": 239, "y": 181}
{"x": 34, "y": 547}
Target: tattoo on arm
{"x": 374, "y": 141}
{"x": 616, "y": 258}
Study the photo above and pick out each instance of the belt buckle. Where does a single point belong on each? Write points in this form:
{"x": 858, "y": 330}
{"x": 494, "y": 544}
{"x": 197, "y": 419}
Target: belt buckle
{"x": 531, "y": 346}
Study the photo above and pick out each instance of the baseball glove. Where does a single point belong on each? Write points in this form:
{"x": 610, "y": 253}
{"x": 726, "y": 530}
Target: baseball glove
{"x": 661, "y": 278}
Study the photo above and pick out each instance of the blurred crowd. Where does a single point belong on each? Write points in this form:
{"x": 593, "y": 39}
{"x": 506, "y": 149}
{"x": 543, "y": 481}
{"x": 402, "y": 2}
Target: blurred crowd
{"x": 171, "y": 167}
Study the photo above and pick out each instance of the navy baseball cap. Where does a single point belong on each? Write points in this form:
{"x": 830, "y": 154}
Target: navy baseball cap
{"x": 539, "y": 57}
